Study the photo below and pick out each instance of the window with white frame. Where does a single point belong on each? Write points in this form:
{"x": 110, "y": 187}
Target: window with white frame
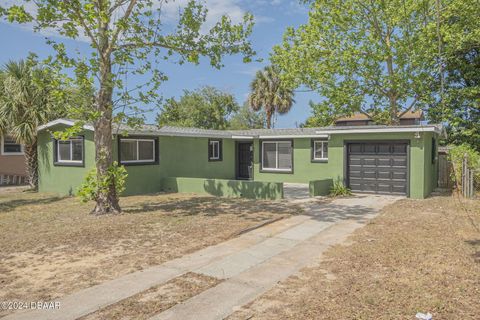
{"x": 214, "y": 150}
{"x": 320, "y": 150}
{"x": 277, "y": 155}
{"x": 10, "y": 146}
{"x": 137, "y": 150}
{"x": 70, "y": 151}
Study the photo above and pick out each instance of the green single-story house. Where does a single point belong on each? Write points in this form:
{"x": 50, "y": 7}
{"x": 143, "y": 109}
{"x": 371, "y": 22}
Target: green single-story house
{"x": 399, "y": 160}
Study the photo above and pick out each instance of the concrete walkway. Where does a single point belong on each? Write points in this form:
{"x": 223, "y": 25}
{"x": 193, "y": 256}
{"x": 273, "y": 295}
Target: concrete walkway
{"x": 250, "y": 264}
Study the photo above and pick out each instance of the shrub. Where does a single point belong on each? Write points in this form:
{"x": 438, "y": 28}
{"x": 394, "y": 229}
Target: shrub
{"x": 90, "y": 189}
{"x": 456, "y": 155}
{"x": 339, "y": 189}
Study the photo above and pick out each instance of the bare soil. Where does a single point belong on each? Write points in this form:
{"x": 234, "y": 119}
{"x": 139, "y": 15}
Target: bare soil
{"x": 417, "y": 256}
{"x": 51, "y": 246}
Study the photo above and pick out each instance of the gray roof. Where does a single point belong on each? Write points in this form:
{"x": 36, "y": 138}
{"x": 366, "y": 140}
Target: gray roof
{"x": 154, "y": 130}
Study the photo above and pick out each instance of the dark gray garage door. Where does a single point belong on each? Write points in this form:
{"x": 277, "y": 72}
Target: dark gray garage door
{"x": 379, "y": 167}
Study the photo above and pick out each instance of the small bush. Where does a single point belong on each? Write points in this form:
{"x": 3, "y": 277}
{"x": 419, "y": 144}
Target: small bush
{"x": 339, "y": 189}
{"x": 90, "y": 189}
{"x": 456, "y": 155}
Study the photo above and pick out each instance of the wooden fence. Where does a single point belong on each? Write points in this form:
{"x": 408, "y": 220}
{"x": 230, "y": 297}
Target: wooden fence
{"x": 468, "y": 179}
{"x": 445, "y": 172}
{"x": 12, "y": 180}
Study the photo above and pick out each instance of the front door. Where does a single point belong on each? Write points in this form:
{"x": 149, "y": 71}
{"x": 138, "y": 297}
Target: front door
{"x": 244, "y": 160}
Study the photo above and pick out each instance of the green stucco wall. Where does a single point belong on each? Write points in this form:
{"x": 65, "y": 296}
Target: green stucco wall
{"x": 320, "y": 187}
{"x": 188, "y": 157}
{"x": 224, "y": 188}
{"x": 60, "y": 179}
{"x": 178, "y": 156}
{"x": 422, "y": 175}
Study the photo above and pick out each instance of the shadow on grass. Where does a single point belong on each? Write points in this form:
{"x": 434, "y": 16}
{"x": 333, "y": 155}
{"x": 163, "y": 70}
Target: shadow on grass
{"x": 14, "y": 204}
{"x": 213, "y": 206}
{"x": 476, "y": 245}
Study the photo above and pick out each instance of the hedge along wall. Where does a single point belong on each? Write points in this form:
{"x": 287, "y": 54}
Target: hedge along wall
{"x": 320, "y": 187}
{"x": 224, "y": 188}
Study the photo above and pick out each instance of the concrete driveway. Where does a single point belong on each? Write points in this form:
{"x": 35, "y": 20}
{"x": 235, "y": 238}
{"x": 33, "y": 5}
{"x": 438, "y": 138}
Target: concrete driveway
{"x": 250, "y": 264}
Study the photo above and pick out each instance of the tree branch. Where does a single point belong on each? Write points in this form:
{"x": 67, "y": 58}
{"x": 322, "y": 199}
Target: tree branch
{"x": 117, "y": 30}
{"x": 409, "y": 108}
{"x": 153, "y": 44}
{"x": 117, "y": 5}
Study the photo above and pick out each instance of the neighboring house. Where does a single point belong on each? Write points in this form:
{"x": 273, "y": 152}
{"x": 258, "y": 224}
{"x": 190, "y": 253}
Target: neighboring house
{"x": 361, "y": 119}
{"x": 12, "y": 161}
{"x": 398, "y": 160}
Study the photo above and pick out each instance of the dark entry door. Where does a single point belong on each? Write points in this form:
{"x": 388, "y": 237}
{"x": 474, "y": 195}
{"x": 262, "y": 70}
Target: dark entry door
{"x": 378, "y": 167}
{"x": 244, "y": 160}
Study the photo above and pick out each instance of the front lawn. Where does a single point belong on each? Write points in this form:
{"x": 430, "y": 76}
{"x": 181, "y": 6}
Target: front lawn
{"x": 51, "y": 246}
{"x": 417, "y": 256}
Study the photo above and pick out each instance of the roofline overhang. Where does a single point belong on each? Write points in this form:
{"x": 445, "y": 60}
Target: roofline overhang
{"x": 292, "y": 136}
{"x": 66, "y": 122}
{"x": 191, "y": 135}
{"x": 435, "y": 129}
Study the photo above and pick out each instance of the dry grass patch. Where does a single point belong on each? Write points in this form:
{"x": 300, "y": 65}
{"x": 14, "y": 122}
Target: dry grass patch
{"x": 50, "y": 246}
{"x": 417, "y": 256}
{"x": 157, "y": 299}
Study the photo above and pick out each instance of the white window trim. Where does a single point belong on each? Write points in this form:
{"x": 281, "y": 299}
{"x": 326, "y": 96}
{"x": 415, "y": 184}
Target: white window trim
{"x": 276, "y": 158}
{"x": 138, "y": 151}
{"x": 3, "y": 153}
{"x": 213, "y": 143}
{"x": 59, "y": 160}
{"x": 322, "y": 142}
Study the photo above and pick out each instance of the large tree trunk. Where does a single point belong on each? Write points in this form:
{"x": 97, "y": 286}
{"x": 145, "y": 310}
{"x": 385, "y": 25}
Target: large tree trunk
{"x": 107, "y": 198}
{"x": 31, "y": 160}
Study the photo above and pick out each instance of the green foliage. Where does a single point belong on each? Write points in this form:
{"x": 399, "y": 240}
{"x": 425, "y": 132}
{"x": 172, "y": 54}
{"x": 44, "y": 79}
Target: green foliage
{"x": 270, "y": 93}
{"x": 457, "y": 154}
{"x": 207, "y": 108}
{"x": 30, "y": 95}
{"x": 246, "y": 118}
{"x": 339, "y": 189}
{"x": 93, "y": 186}
{"x": 322, "y": 116}
{"x": 359, "y": 56}
{"x": 128, "y": 39}
{"x": 459, "y": 103}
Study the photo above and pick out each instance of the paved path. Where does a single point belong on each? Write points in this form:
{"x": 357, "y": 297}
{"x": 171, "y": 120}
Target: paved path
{"x": 250, "y": 264}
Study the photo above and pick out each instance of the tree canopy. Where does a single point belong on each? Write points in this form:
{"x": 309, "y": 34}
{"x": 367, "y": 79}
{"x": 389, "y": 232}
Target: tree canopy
{"x": 269, "y": 92}
{"x": 30, "y": 96}
{"x": 127, "y": 38}
{"x": 457, "y": 41}
{"x": 360, "y": 56}
{"x": 207, "y": 108}
{"x": 246, "y": 118}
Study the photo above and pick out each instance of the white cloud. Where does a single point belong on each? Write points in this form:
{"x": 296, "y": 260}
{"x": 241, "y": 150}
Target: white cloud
{"x": 234, "y": 9}
{"x": 216, "y": 9}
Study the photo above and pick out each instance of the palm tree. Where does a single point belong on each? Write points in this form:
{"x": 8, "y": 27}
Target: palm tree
{"x": 27, "y": 100}
{"x": 267, "y": 92}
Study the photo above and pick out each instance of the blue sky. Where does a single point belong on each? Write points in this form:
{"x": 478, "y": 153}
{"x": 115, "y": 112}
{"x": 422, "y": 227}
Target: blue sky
{"x": 272, "y": 18}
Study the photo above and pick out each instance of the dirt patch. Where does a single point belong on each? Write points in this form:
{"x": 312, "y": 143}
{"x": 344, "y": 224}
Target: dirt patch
{"x": 417, "y": 256}
{"x": 157, "y": 299}
{"x": 50, "y": 246}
